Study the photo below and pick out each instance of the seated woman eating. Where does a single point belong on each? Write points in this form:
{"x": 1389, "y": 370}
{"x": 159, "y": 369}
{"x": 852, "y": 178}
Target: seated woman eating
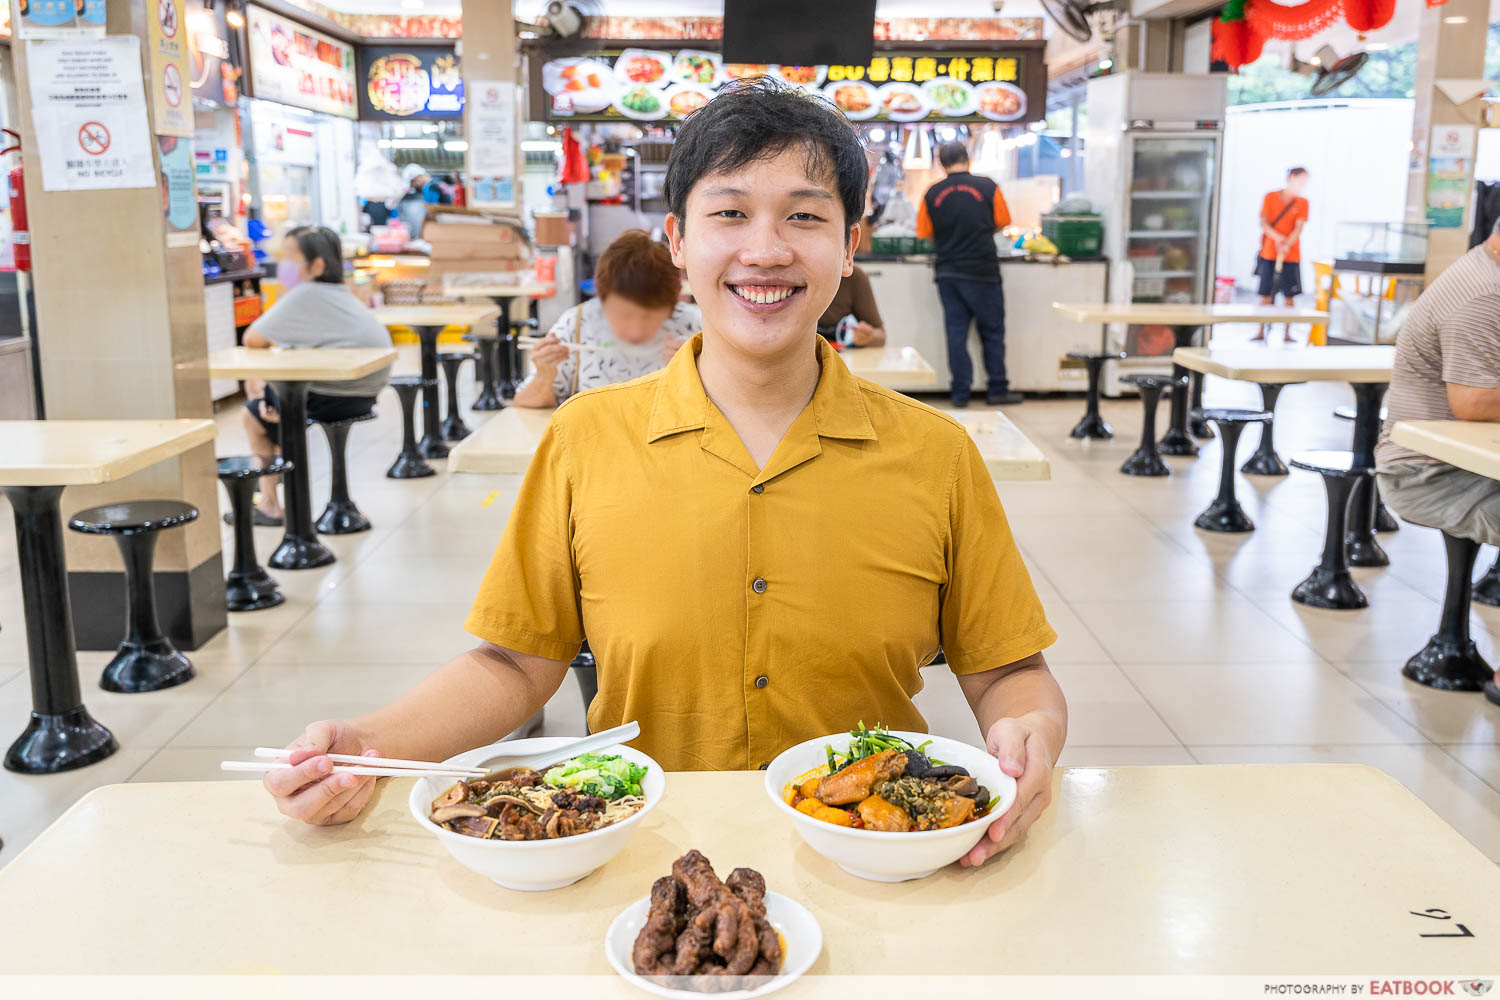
{"x": 317, "y": 310}
{"x": 634, "y": 326}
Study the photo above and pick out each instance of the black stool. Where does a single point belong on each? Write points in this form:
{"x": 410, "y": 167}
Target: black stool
{"x": 587, "y": 672}
{"x": 1265, "y": 461}
{"x": 147, "y": 660}
{"x": 249, "y": 587}
{"x": 409, "y": 464}
{"x": 486, "y": 365}
{"x": 1487, "y": 587}
{"x": 1093, "y": 425}
{"x": 1225, "y": 513}
{"x": 454, "y": 428}
{"x": 1450, "y": 661}
{"x": 1147, "y": 460}
{"x": 1329, "y": 585}
{"x": 1385, "y": 521}
{"x": 342, "y": 516}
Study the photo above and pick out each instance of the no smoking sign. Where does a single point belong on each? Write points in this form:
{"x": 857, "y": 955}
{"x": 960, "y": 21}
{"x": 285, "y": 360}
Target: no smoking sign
{"x": 171, "y": 84}
{"x": 94, "y": 138}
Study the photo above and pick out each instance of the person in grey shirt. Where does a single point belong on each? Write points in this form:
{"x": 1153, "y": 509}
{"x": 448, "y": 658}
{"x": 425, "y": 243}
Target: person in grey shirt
{"x": 317, "y": 310}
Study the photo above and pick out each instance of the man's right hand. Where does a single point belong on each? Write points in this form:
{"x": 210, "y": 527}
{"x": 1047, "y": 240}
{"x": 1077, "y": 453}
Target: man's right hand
{"x": 548, "y": 354}
{"x": 309, "y": 790}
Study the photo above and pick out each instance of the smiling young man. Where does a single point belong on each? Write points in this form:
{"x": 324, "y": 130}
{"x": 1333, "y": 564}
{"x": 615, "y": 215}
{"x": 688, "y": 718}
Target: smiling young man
{"x": 760, "y": 547}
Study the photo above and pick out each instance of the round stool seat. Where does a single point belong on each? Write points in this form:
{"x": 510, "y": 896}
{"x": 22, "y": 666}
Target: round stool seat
{"x": 1147, "y": 380}
{"x": 244, "y": 467}
{"x": 133, "y": 517}
{"x": 346, "y": 421}
{"x": 1093, "y": 356}
{"x": 1339, "y": 464}
{"x": 456, "y": 356}
{"x": 1228, "y": 415}
{"x": 407, "y": 382}
{"x": 1347, "y": 413}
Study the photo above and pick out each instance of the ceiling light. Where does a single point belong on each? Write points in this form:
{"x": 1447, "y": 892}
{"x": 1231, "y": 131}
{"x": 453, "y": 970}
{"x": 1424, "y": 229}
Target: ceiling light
{"x": 1377, "y": 46}
{"x": 540, "y": 146}
{"x": 455, "y": 145}
{"x": 1317, "y": 60}
{"x": 1106, "y": 63}
{"x": 1455, "y": 19}
{"x": 412, "y": 4}
{"x": 414, "y": 144}
{"x": 1037, "y": 126}
{"x": 877, "y": 135}
{"x": 948, "y": 133}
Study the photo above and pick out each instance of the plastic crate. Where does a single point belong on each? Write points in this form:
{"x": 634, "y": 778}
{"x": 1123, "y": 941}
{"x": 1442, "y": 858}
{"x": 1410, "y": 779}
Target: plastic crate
{"x": 1075, "y": 235}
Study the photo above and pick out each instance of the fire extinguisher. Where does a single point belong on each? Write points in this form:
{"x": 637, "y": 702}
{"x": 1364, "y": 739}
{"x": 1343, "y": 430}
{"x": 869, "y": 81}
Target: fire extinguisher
{"x": 20, "y": 236}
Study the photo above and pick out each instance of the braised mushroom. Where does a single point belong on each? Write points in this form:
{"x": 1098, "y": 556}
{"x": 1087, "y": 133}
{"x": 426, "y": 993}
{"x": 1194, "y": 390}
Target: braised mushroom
{"x": 446, "y": 814}
{"x": 452, "y": 796}
{"x": 963, "y": 784}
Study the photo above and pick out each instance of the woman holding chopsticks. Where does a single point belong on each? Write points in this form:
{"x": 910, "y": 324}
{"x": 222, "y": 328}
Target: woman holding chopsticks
{"x": 631, "y": 329}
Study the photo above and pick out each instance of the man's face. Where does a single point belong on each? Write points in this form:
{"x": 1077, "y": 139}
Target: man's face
{"x": 764, "y": 249}
{"x": 1296, "y": 184}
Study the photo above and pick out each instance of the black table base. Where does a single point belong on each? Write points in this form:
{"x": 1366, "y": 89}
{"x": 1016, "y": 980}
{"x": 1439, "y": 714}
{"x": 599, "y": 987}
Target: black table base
{"x": 1364, "y": 550}
{"x": 1177, "y": 440}
{"x": 487, "y": 363}
{"x": 432, "y": 444}
{"x": 1450, "y": 661}
{"x": 1200, "y": 428}
{"x": 61, "y": 734}
{"x": 299, "y": 548}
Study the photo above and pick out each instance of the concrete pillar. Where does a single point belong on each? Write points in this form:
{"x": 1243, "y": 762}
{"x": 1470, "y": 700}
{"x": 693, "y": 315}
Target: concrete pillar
{"x": 490, "y": 54}
{"x": 1447, "y": 48}
{"x": 120, "y": 333}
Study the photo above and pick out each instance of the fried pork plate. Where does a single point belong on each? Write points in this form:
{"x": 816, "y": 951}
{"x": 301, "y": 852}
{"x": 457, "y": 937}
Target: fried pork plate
{"x": 581, "y": 795}
{"x": 713, "y": 933}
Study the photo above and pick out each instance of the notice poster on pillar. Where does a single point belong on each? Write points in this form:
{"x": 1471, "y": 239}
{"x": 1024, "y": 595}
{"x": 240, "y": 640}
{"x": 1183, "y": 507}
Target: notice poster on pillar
{"x": 1450, "y": 164}
{"x": 171, "y": 97}
{"x": 89, "y": 112}
{"x": 492, "y": 142}
{"x": 179, "y": 200}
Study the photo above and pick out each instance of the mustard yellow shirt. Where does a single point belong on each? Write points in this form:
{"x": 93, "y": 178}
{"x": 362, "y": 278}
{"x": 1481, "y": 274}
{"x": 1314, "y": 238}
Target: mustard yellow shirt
{"x": 736, "y": 611}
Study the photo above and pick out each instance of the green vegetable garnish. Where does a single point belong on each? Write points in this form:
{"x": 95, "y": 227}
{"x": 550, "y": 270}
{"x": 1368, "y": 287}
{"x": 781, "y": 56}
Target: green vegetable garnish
{"x": 610, "y": 777}
{"x": 865, "y": 742}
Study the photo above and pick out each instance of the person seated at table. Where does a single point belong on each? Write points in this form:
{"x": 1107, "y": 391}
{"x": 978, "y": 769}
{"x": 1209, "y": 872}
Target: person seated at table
{"x": 1447, "y": 368}
{"x": 854, "y": 298}
{"x": 316, "y": 310}
{"x": 680, "y": 520}
{"x": 637, "y": 320}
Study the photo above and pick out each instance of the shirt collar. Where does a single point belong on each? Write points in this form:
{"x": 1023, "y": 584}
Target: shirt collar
{"x": 838, "y": 404}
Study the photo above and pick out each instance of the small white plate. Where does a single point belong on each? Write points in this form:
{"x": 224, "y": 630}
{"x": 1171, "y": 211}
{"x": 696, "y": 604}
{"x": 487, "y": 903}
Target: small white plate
{"x": 872, "y": 99}
{"x": 931, "y": 90}
{"x": 919, "y": 108}
{"x": 800, "y": 933}
{"x": 651, "y": 93}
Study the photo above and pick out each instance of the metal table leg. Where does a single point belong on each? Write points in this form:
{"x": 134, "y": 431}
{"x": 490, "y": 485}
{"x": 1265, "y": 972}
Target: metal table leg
{"x": 1364, "y": 550}
{"x": 300, "y": 547}
{"x": 61, "y": 734}
{"x": 509, "y": 369}
{"x": 432, "y": 444}
{"x": 1177, "y": 441}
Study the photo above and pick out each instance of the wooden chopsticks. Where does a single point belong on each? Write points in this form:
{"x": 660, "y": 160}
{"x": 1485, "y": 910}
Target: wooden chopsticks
{"x": 393, "y": 767}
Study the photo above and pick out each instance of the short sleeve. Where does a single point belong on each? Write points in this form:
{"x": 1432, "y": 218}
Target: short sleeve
{"x": 1303, "y": 207}
{"x": 284, "y": 324}
{"x": 529, "y": 600}
{"x": 990, "y": 613}
{"x": 1470, "y": 341}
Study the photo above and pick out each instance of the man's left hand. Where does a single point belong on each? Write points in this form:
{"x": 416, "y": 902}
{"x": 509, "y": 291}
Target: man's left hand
{"x": 864, "y": 334}
{"x": 1020, "y": 745}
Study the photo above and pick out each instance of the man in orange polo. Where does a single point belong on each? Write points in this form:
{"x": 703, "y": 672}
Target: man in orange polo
{"x": 1283, "y": 213}
{"x": 681, "y": 521}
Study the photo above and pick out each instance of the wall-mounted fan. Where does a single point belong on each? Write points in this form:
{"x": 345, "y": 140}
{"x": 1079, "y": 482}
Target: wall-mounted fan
{"x": 1072, "y": 16}
{"x": 1329, "y": 70}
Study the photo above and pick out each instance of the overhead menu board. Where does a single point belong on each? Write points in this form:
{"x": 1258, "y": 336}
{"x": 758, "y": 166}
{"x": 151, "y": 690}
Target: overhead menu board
{"x": 409, "y": 83}
{"x": 661, "y": 85}
{"x": 293, "y": 64}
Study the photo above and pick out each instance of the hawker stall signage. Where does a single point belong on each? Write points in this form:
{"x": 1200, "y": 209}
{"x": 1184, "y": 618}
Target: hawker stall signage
{"x": 662, "y": 85}
{"x": 416, "y": 82}
{"x": 295, "y": 65}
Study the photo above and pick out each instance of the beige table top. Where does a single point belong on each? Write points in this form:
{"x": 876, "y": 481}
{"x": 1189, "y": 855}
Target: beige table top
{"x": 504, "y": 445}
{"x": 313, "y": 364}
{"x": 1466, "y": 444}
{"x": 1291, "y": 364}
{"x": 81, "y": 452}
{"x": 1211, "y": 870}
{"x": 438, "y": 315}
{"x": 459, "y": 289}
{"x": 1185, "y": 313}
{"x": 890, "y": 366}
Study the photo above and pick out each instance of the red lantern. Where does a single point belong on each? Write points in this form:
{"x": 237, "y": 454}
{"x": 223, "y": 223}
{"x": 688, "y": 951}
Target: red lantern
{"x": 1236, "y": 43}
{"x": 1368, "y": 15}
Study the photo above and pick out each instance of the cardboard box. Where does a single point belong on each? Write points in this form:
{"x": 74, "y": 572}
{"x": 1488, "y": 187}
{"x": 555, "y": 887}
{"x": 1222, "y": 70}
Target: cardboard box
{"x": 461, "y": 240}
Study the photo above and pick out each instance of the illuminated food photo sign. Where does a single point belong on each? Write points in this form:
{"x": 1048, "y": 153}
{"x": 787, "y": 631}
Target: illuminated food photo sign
{"x": 295, "y": 65}
{"x": 658, "y": 85}
{"x": 417, "y": 82}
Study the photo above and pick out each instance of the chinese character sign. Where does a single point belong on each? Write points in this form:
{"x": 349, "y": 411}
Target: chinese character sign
{"x": 89, "y": 112}
{"x": 411, "y": 83}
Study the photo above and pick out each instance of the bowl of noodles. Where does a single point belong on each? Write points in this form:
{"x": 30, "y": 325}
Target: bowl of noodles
{"x": 534, "y": 830}
{"x": 889, "y": 806}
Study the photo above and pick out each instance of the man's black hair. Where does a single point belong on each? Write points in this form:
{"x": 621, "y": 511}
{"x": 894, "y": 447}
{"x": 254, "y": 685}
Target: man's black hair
{"x": 321, "y": 243}
{"x": 951, "y": 154}
{"x": 1296, "y": 172}
{"x": 761, "y": 118}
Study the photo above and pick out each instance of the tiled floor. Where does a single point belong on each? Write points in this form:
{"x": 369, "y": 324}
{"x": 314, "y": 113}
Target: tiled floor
{"x": 1176, "y": 646}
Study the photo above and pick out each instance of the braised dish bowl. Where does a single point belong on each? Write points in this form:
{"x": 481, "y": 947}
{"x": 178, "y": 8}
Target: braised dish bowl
{"x": 536, "y": 865}
{"x": 880, "y": 855}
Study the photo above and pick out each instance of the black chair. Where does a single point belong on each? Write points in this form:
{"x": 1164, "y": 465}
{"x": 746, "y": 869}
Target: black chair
{"x": 587, "y": 672}
{"x": 1487, "y": 587}
{"x": 1265, "y": 461}
{"x": 342, "y": 516}
{"x": 249, "y": 587}
{"x": 1093, "y": 425}
{"x": 1147, "y": 460}
{"x": 409, "y": 464}
{"x": 1450, "y": 661}
{"x": 1225, "y": 513}
{"x": 486, "y": 367}
{"x": 1329, "y": 585}
{"x": 1385, "y": 521}
{"x": 146, "y": 660}
{"x": 454, "y": 428}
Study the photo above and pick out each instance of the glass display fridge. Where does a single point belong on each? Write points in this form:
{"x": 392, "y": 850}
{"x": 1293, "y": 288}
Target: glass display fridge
{"x": 1155, "y": 149}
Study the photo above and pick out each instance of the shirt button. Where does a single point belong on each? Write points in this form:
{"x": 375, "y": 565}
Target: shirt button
{"x": 762, "y": 681}
{"x": 759, "y": 586}
{"x": 758, "y": 488}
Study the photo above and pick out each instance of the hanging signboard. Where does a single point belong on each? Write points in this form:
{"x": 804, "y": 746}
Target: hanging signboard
{"x": 1450, "y": 164}
{"x": 89, "y": 112}
{"x": 295, "y": 65}
{"x": 212, "y": 76}
{"x": 492, "y": 143}
{"x": 171, "y": 99}
{"x": 420, "y": 82}
{"x": 660, "y": 85}
{"x": 60, "y": 18}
